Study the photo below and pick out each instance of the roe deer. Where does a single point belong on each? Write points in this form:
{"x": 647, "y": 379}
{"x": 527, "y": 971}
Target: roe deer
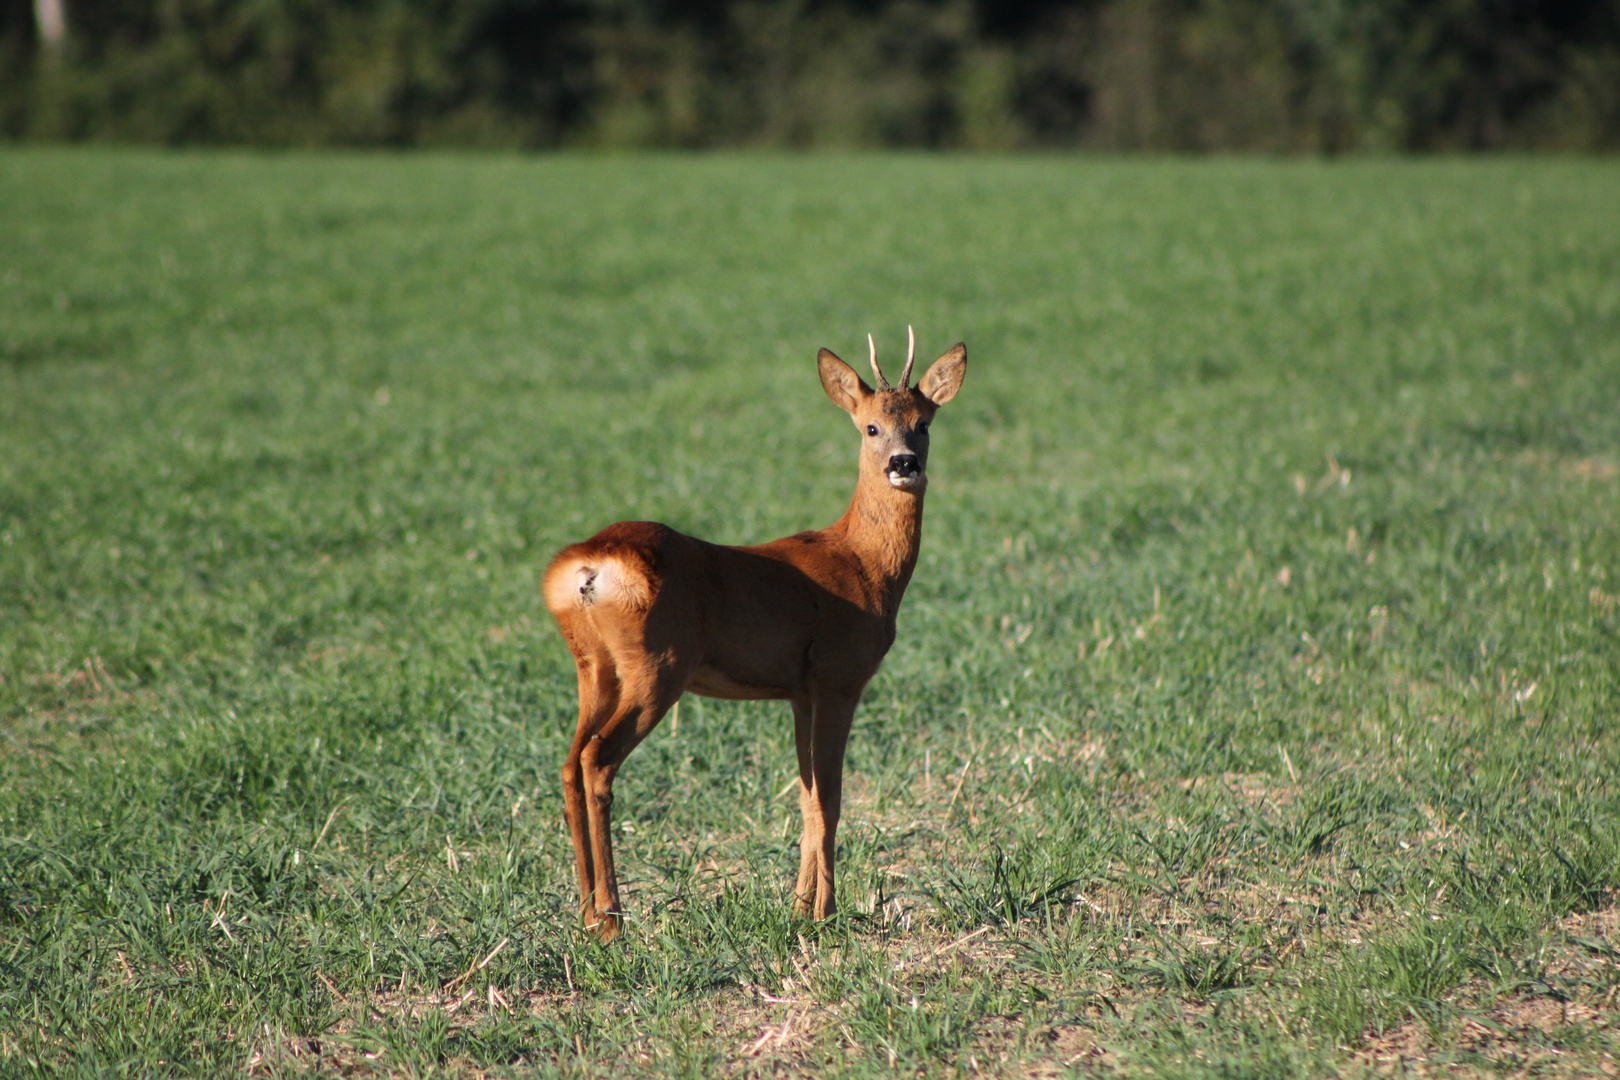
{"x": 650, "y": 613}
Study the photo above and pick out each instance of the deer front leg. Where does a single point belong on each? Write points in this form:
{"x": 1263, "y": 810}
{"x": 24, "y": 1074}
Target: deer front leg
{"x": 829, "y": 733}
{"x": 804, "y": 889}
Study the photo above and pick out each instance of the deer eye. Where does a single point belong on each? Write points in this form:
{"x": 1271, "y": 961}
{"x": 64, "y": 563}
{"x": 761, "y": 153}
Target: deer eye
{"x": 871, "y": 429}
{"x": 922, "y": 428}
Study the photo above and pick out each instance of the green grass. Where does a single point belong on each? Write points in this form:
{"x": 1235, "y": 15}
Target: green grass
{"x": 1254, "y": 706}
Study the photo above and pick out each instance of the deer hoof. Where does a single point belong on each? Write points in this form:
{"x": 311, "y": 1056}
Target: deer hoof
{"x": 603, "y": 924}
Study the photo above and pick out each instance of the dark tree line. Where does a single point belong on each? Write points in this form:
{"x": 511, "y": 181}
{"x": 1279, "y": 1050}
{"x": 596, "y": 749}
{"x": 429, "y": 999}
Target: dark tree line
{"x": 1286, "y": 75}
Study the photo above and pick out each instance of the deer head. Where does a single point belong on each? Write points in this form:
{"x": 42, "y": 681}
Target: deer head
{"x": 893, "y": 421}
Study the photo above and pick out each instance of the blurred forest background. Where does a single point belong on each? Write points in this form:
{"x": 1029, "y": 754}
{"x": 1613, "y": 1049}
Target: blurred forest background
{"x": 1199, "y": 75}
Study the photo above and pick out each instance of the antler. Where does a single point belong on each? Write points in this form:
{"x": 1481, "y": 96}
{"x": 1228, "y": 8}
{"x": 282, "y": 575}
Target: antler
{"x": 883, "y": 384}
{"x": 911, "y": 357}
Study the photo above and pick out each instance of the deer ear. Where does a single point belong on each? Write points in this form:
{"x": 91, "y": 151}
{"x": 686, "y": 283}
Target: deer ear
{"x": 945, "y": 375}
{"x": 841, "y": 383}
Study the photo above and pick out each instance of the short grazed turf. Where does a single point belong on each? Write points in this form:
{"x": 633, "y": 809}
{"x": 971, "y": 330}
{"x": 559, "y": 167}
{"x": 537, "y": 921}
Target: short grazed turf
{"x": 1254, "y": 706}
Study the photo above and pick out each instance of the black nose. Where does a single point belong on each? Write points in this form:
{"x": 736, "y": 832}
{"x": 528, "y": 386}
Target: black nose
{"x": 904, "y": 465}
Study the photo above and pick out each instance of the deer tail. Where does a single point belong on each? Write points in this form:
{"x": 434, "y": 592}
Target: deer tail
{"x": 581, "y": 581}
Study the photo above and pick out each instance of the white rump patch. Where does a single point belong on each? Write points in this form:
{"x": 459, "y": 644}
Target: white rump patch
{"x": 599, "y": 581}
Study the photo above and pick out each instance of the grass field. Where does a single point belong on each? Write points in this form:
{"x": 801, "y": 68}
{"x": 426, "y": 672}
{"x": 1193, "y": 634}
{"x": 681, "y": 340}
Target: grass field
{"x": 1254, "y": 706}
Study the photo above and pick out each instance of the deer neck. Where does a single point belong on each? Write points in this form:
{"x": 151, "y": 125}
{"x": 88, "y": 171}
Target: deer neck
{"x": 883, "y": 529}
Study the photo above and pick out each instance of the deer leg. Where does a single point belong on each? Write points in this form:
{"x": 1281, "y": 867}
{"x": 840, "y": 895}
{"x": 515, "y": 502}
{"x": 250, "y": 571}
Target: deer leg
{"x": 600, "y": 907}
{"x": 573, "y": 783}
{"x": 804, "y": 890}
{"x": 600, "y": 759}
{"x": 829, "y": 735}
{"x": 598, "y": 698}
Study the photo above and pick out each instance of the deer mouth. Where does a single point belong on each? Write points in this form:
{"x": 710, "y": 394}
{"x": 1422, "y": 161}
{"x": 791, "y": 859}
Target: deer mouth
{"x": 905, "y": 481}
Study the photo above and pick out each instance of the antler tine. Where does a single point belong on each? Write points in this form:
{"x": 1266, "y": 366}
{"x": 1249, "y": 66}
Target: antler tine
{"x": 883, "y": 384}
{"x": 911, "y": 357}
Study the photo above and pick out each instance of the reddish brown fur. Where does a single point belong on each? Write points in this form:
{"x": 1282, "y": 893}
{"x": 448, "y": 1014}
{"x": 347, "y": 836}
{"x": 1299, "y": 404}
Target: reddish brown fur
{"x": 650, "y": 613}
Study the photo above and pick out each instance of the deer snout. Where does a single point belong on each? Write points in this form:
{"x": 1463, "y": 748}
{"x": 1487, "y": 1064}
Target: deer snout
{"x": 904, "y": 470}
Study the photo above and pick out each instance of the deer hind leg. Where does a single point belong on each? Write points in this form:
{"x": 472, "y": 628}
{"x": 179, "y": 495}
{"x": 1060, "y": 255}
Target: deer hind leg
{"x": 642, "y": 704}
{"x": 598, "y": 700}
{"x": 822, "y": 802}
